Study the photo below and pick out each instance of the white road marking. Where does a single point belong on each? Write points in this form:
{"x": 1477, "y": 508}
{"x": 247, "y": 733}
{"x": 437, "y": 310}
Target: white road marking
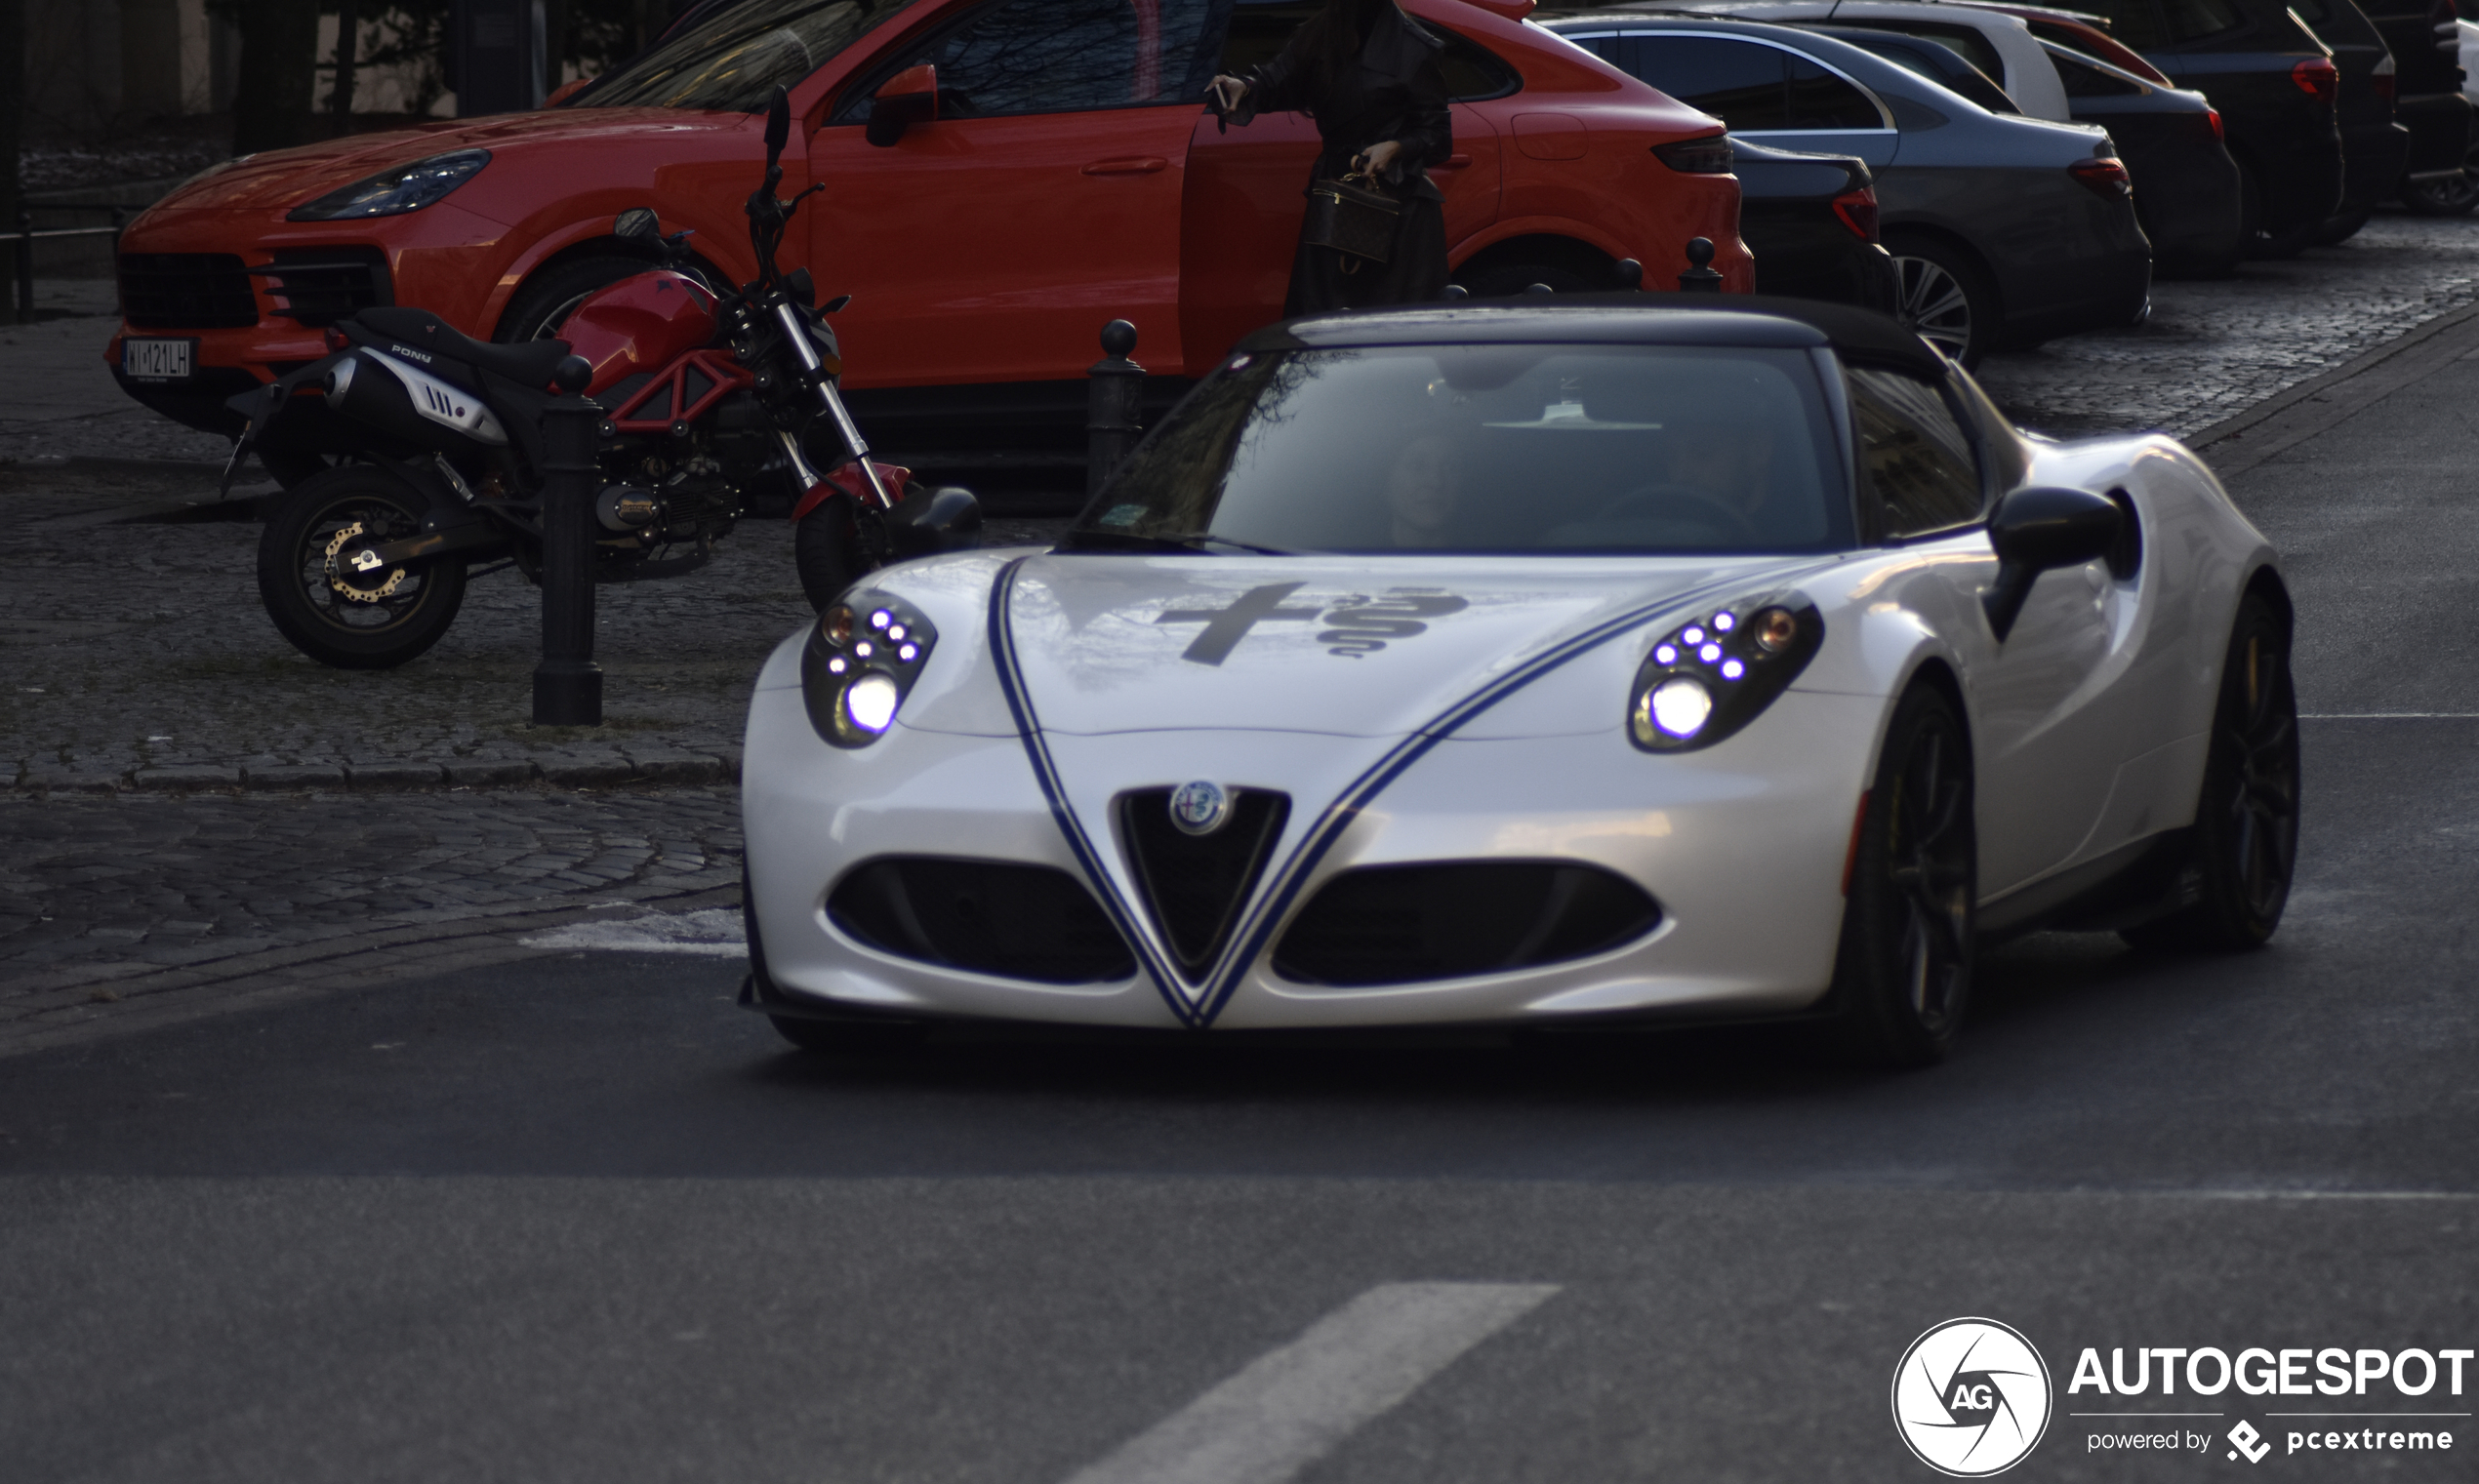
{"x": 2388, "y": 717}
{"x": 715, "y": 931}
{"x": 1291, "y": 1405}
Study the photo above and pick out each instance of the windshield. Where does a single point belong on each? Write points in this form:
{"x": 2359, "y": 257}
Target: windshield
{"x": 735, "y": 61}
{"x": 1488, "y": 449}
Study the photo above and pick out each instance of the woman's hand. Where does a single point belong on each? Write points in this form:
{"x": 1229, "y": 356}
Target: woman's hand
{"x": 1226, "y": 91}
{"x": 1379, "y": 157}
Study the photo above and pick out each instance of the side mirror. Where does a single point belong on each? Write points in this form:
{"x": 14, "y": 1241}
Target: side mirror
{"x": 778, "y": 127}
{"x": 909, "y": 98}
{"x": 2037, "y": 530}
{"x": 927, "y": 522}
{"x": 637, "y": 222}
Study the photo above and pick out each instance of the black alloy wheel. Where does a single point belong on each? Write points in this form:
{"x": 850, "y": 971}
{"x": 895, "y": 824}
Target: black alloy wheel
{"x": 326, "y": 604}
{"x": 826, "y": 551}
{"x": 2259, "y": 241}
{"x": 2337, "y": 230}
{"x": 1903, "y": 976}
{"x": 547, "y": 301}
{"x": 2451, "y": 196}
{"x": 2244, "y": 839}
{"x": 1945, "y": 299}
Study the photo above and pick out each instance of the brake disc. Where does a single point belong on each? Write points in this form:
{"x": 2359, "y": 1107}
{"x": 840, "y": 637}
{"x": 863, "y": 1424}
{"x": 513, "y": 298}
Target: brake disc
{"x": 337, "y": 577}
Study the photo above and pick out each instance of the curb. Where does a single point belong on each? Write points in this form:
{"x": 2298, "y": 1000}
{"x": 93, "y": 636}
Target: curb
{"x": 665, "y": 769}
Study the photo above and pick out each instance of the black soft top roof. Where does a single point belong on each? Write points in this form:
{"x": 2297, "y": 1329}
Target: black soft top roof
{"x": 1644, "y": 319}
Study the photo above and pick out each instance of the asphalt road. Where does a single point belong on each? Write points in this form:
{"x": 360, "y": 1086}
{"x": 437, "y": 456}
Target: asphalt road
{"x": 579, "y": 1218}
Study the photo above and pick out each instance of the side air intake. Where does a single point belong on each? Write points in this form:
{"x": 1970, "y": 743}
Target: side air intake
{"x": 1027, "y": 922}
{"x": 1402, "y": 924}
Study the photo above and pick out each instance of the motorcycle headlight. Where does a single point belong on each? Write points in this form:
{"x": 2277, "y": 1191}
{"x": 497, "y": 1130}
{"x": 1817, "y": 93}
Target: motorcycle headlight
{"x": 859, "y": 663}
{"x": 1707, "y": 678}
{"x": 393, "y": 192}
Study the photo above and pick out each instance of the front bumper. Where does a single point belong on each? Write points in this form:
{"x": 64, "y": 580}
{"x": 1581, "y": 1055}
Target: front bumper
{"x": 1743, "y": 847}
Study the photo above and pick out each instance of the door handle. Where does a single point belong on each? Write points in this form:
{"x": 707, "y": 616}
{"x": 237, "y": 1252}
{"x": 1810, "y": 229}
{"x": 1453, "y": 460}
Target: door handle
{"x": 1136, "y": 165}
{"x": 1452, "y": 162}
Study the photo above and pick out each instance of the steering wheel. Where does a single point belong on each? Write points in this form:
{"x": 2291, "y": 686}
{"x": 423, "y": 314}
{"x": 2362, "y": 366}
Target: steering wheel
{"x": 1703, "y": 508}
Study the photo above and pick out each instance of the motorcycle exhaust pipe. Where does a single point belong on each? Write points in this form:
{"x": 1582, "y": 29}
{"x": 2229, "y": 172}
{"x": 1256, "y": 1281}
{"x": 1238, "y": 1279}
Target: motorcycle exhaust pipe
{"x": 411, "y": 408}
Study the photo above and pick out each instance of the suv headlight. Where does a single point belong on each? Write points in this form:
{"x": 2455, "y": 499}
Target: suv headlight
{"x": 1704, "y": 680}
{"x": 859, "y": 663}
{"x": 393, "y": 192}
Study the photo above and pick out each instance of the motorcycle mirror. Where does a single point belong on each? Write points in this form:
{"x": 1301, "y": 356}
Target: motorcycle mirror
{"x": 636, "y": 221}
{"x": 778, "y": 126}
{"x": 927, "y": 522}
{"x": 834, "y": 303}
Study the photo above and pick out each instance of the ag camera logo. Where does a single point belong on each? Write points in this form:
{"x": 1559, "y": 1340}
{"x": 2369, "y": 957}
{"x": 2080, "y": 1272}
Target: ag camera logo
{"x": 1972, "y": 1397}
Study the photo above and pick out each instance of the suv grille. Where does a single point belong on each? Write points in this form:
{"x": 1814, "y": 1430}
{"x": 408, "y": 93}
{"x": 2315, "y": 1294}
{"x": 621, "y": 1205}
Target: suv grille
{"x": 186, "y": 291}
{"x": 319, "y": 286}
{"x": 1399, "y": 924}
{"x": 985, "y": 916}
{"x": 1195, "y": 884}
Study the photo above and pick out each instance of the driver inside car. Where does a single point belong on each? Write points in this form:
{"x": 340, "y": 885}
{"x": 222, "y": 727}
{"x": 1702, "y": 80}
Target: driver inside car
{"x": 1727, "y": 458}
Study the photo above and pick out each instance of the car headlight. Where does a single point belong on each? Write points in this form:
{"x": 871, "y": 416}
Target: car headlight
{"x": 859, "y": 663}
{"x": 1704, "y": 680}
{"x": 393, "y": 192}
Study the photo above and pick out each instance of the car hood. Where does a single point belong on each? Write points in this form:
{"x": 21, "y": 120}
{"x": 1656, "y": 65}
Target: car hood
{"x": 1349, "y": 647}
{"x": 284, "y": 178}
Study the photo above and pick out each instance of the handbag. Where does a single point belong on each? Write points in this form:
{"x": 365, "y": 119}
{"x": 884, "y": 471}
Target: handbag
{"x": 1355, "y": 220}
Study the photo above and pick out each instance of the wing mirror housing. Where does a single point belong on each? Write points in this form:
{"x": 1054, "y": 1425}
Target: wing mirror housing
{"x": 909, "y": 98}
{"x": 927, "y": 522}
{"x": 2037, "y": 530}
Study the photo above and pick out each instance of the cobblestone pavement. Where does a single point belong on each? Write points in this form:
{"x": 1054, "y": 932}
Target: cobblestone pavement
{"x": 111, "y": 906}
{"x": 2215, "y": 348}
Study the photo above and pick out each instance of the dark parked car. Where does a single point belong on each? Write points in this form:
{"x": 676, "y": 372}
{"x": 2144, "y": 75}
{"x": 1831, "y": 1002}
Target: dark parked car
{"x": 2428, "y": 101}
{"x": 2375, "y": 148}
{"x": 2006, "y": 230}
{"x": 2274, "y": 83}
{"x": 1811, "y": 222}
{"x": 2187, "y": 185}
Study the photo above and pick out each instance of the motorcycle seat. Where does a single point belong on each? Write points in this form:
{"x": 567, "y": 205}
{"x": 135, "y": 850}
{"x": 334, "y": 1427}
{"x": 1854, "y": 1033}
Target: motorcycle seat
{"x": 527, "y": 362}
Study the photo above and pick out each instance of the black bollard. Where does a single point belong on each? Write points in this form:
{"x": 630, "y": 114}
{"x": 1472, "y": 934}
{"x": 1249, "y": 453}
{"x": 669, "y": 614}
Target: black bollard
{"x": 1629, "y": 275}
{"x": 568, "y": 684}
{"x": 1538, "y": 287}
{"x": 1699, "y": 278}
{"x": 1454, "y": 292}
{"x": 1114, "y": 398}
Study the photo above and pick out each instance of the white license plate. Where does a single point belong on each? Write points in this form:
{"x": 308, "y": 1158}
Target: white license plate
{"x": 157, "y": 360}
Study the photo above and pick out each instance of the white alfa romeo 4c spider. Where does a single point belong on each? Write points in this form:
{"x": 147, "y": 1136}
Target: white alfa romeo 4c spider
{"x": 1535, "y": 662}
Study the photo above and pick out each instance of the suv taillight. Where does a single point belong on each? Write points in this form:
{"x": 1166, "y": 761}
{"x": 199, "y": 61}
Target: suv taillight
{"x": 1857, "y": 210}
{"x": 2317, "y": 77}
{"x": 2105, "y": 178}
{"x": 2211, "y": 116}
{"x": 1706, "y": 156}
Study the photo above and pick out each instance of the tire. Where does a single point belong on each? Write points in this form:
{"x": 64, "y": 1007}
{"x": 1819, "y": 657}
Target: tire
{"x": 2337, "y": 230}
{"x": 353, "y": 622}
{"x": 2452, "y": 197}
{"x": 2244, "y": 839}
{"x": 2258, "y": 241}
{"x": 1946, "y": 298}
{"x": 1510, "y": 279}
{"x": 825, "y": 550}
{"x": 1902, "y": 978}
{"x": 548, "y": 298}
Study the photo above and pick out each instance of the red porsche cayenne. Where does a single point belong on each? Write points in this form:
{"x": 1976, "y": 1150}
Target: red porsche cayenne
{"x": 1001, "y": 178}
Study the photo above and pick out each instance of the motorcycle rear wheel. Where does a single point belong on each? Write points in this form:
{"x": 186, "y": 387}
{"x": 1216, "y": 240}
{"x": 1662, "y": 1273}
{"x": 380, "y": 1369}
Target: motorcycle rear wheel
{"x": 826, "y": 551}
{"x": 337, "y": 615}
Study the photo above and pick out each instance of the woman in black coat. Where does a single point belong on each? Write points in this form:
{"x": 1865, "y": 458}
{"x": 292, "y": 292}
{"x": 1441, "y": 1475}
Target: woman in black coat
{"x": 1369, "y": 74}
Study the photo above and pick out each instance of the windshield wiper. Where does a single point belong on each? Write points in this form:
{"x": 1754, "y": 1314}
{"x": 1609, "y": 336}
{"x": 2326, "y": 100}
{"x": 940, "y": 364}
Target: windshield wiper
{"x": 1131, "y": 541}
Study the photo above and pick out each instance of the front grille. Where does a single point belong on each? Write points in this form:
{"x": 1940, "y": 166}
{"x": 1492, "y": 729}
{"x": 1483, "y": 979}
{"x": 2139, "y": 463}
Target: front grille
{"x": 1400, "y": 924}
{"x": 1195, "y": 884}
{"x": 186, "y": 291}
{"x": 1015, "y": 921}
{"x": 319, "y": 286}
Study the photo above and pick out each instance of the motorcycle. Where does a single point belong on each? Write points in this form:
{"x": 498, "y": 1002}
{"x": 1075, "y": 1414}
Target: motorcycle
{"x": 706, "y": 396}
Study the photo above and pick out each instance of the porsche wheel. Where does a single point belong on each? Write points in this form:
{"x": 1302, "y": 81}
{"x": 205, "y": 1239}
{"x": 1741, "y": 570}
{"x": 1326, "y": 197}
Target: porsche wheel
{"x": 1903, "y": 977}
{"x": 2246, "y": 832}
{"x": 326, "y": 603}
{"x": 546, "y": 301}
